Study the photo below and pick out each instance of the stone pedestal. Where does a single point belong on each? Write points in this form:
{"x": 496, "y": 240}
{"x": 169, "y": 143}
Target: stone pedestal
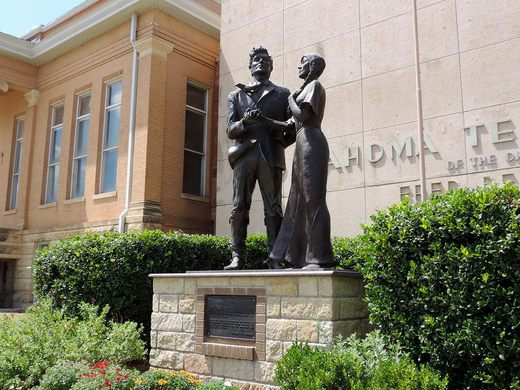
{"x": 311, "y": 306}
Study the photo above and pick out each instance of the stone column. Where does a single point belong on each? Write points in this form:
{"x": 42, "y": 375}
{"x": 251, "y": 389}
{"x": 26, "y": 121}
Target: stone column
{"x": 27, "y": 152}
{"x": 145, "y": 208}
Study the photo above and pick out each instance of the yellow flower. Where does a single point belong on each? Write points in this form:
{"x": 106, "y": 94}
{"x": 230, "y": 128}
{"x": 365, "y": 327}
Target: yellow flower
{"x": 161, "y": 382}
{"x": 138, "y": 381}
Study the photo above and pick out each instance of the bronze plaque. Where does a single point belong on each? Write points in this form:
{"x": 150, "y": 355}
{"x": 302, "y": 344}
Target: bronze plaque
{"x": 230, "y": 316}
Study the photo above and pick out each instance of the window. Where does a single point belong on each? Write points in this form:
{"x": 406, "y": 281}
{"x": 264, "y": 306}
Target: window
{"x": 17, "y": 159}
{"x": 53, "y": 168}
{"x": 79, "y": 158}
{"x": 195, "y": 141}
{"x": 110, "y": 137}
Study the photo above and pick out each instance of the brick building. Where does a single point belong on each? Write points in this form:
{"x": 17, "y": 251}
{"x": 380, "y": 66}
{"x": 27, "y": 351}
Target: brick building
{"x": 74, "y": 95}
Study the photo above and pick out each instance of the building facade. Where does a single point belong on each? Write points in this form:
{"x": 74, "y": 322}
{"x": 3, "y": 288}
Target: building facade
{"x": 108, "y": 80}
{"x": 468, "y": 50}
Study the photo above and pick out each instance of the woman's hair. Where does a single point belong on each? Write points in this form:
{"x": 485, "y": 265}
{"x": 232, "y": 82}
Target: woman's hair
{"x": 316, "y": 64}
{"x": 316, "y": 68}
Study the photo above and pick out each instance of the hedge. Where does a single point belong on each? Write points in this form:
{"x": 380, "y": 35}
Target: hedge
{"x": 443, "y": 278}
{"x": 112, "y": 269}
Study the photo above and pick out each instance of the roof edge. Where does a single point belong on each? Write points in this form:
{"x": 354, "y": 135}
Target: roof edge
{"x": 99, "y": 21}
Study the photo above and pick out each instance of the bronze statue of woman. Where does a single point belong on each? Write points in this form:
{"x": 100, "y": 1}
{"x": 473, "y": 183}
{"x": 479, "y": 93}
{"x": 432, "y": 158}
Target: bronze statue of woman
{"x": 304, "y": 237}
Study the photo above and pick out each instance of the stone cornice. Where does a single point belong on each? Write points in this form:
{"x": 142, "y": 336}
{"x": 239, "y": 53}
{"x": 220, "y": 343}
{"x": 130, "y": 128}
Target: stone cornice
{"x": 99, "y": 20}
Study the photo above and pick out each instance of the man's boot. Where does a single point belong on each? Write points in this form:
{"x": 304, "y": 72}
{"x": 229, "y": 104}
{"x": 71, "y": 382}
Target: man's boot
{"x": 238, "y": 241}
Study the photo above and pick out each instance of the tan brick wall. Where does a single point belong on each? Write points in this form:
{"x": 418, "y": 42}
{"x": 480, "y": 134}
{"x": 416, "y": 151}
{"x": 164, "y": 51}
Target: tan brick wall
{"x": 159, "y": 134}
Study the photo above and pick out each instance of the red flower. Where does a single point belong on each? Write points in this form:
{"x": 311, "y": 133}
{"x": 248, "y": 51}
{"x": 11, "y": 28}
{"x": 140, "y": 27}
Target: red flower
{"x": 108, "y": 384}
{"x": 125, "y": 377}
{"x": 118, "y": 369}
{"x": 103, "y": 372}
{"x": 100, "y": 365}
{"x": 118, "y": 379}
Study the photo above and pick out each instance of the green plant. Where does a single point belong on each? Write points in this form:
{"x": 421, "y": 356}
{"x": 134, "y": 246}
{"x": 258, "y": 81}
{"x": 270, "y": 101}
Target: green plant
{"x": 62, "y": 375}
{"x": 36, "y": 341}
{"x": 443, "y": 278}
{"x": 104, "y": 374}
{"x": 112, "y": 269}
{"x": 256, "y": 251}
{"x": 372, "y": 363}
{"x": 348, "y": 252}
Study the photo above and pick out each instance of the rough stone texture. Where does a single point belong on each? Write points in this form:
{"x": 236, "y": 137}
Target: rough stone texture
{"x": 319, "y": 308}
{"x": 155, "y": 303}
{"x": 172, "y": 322}
{"x": 264, "y": 372}
{"x": 281, "y": 329}
{"x": 187, "y": 304}
{"x": 169, "y": 304}
{"x": 166, "y": 359}
{"x": 307, "y": 330}
{"x": 274, "y": 350}
{"x": 197, "y": 364}
{"x": 188, "y": 323}
{"x": 273, "y": 307}
{"x": 353, "y": 308}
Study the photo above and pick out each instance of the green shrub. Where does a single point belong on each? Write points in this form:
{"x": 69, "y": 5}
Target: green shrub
{"x": 112, "y": 269}
{"x": 36, "y": 341}
{"x": 356, "y": 364}
{"x": 348, "y": 252}
{"x": 62, "y": 375}
{"x": 256, "y": 251}
{"x": 443, "y": 278}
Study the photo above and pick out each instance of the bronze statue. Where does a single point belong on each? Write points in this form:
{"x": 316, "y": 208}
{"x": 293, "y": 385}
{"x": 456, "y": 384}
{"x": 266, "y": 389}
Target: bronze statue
{"x": 258, "y": 153}
{"x": 304, "y": 237}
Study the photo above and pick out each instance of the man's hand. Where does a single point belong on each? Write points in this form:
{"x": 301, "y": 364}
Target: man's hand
{"x": 252, "y": 116}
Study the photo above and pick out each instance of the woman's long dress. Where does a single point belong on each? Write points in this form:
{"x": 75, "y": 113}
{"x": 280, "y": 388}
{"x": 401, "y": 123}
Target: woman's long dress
{"x": 304, "y": 236}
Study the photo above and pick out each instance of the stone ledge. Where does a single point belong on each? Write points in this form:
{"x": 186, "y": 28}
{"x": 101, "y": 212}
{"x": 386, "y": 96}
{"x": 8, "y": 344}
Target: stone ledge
{"x": 240, "y": 352}
{"x": 256, "y": 273}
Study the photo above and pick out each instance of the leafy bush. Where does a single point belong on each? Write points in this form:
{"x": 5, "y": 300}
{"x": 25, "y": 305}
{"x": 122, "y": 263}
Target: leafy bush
{"x": 112, "y": 269}
{"x": 32, "y": 343}
{"x": 349, "y": 252}
{"x": 354, "y": 364}
{"x": 443, "y": 278}
{"x": 256, "y": 251}
{"x": 62, "y": 375}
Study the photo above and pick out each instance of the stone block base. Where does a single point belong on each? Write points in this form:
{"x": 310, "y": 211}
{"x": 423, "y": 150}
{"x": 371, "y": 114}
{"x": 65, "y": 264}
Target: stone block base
{"x": 291, "y": 305}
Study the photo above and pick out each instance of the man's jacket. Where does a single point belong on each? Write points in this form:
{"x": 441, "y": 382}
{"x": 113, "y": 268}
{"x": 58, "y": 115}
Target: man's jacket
{"x": 273, "y": 104}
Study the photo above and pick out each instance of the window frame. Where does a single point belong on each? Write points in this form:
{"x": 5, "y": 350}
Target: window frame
{"x": 54, "y": 127}
{"x": 203, "y": 154}
{"x": 75, "y": 157}
{"x": 104, "y": 150}
{"x": 16, "y": 161}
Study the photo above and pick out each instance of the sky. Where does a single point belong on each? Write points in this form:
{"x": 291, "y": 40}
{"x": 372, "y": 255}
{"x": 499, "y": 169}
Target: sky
{"x": 18, "y": 17}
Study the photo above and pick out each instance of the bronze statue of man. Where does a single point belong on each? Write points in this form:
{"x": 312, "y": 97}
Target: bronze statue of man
{"x": 258, "y": 153}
